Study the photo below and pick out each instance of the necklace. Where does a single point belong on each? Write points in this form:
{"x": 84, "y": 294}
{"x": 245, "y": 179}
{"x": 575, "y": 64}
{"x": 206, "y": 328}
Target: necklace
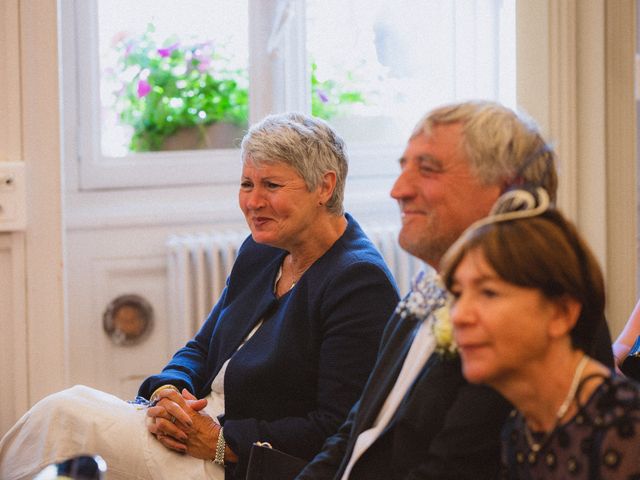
{"x": 562, "y": 410}
{"x": 295, "y": 275}
{"x": 278, "y": 277}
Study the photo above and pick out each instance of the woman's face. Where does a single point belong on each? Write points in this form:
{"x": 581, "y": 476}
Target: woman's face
{"x": 501, "y": 329}
{"x": 277, "y": 205}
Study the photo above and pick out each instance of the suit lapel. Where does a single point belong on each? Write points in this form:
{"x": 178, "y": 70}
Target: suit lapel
{"x": 386, "y": 372}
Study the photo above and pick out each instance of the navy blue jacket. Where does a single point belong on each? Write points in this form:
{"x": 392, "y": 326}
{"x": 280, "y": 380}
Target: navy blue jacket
{"x": 293, "y": 382}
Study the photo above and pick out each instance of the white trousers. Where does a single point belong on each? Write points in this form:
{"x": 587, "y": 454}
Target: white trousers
{"x": 82, "y": 420}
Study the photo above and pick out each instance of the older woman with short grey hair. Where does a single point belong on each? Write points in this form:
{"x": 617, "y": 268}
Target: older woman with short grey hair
{"x": 282, "y": 356}
{"x": 308, "y": 145}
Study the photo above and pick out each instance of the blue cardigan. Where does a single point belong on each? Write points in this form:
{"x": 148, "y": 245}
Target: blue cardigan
{"x": 294, "y": 381}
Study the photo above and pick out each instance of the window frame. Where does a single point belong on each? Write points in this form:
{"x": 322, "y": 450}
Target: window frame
{"x": 278, "y": 81}
{"x": 136, "y": 170}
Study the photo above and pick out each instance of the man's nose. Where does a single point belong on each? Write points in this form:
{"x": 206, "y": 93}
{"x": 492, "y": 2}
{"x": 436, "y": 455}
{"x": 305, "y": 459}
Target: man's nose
{"x": 403, "y": 186}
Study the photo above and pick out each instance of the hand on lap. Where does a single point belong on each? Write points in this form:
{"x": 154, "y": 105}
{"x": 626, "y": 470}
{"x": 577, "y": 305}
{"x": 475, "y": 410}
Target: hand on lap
{"x": 179, "y": 424}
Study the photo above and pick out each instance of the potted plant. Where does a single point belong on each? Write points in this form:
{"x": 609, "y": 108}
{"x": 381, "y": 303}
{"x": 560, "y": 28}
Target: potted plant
{"x": 177, "y": 95}
{"x": 176, "y": 87}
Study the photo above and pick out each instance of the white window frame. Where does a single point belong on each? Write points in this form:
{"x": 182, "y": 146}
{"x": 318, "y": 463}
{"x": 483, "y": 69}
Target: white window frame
{"x": 278, "y": 81}
{"x": 136, "y": 170}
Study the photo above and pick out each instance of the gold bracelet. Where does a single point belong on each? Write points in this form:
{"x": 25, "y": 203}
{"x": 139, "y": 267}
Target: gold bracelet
{"x": 154, "y": 395}
{"x": 219, "y": 458}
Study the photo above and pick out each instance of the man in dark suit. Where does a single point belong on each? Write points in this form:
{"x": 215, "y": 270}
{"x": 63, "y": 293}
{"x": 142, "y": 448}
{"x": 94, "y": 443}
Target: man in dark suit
{"x": 417, "y": 417}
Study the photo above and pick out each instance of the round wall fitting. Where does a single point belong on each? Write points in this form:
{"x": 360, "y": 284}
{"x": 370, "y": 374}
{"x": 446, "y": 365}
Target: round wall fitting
{"x": 128, "y": 319}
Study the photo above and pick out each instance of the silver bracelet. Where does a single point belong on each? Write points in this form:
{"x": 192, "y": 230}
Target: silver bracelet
{"x": 219, "y": 458}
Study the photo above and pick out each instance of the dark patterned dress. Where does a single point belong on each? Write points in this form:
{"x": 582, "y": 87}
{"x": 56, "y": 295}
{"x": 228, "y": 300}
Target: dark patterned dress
{"x": 602, "y": 441}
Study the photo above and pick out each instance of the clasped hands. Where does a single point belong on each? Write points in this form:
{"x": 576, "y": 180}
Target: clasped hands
{"x": 178, "y": 422}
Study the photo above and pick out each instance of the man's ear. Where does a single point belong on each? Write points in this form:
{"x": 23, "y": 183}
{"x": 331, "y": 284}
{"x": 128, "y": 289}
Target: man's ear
{"x": 567, "y": 312}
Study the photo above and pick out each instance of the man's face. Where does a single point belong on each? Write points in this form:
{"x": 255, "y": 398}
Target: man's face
{"x": 438, "y": 194}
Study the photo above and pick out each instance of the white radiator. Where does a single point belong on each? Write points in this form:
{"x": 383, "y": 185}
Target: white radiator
{"x": 198, "y": 265}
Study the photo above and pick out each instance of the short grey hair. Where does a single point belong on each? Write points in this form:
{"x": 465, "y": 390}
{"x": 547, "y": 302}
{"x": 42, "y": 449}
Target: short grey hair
{"x": 305, "y": 143}
{"x": 503, "y": 147}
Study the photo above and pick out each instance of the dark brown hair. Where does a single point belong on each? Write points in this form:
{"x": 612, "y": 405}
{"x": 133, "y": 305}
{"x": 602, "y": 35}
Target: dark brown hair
{"x": 544, "y": 252}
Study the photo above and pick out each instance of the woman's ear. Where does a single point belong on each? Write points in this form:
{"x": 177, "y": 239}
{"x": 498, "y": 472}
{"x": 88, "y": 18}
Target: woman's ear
{"x": 567, "y": 312}
{"x": 328, "y": 186}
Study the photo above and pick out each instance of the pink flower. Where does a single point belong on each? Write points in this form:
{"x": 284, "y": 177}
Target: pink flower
{"x": 323, "y": 96}
{"x": 119, "y": 37}
{"x": 165, "y": 52}
{"x": 143, "y": 88}
{"x": 129, "y": 46}
{"x": 204, "y": 64}
{"x": 202, "y": 54}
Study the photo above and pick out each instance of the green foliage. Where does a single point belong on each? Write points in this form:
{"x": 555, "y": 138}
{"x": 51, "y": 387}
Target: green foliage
{"x": 162, "y": 88}
{"x": 165, "y": 88}
{"x": 329, "y": 97}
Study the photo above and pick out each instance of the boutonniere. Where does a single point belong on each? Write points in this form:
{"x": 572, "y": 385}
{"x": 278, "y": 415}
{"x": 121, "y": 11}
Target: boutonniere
{"x": 430, "y": 301}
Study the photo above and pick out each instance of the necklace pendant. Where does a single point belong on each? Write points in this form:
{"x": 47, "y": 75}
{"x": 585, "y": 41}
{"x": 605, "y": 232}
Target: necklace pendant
{"x": 532, "y": 456}
{"x": 535, "y": 447}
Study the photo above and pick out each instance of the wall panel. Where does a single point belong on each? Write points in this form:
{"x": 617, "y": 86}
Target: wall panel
{"x": 13, "y": 352}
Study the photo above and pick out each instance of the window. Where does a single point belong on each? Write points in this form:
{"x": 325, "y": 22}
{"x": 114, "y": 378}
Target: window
{"x": 168, "y": 75}
{"x": 393, "y": 61}
{"x": 369, "y": 67}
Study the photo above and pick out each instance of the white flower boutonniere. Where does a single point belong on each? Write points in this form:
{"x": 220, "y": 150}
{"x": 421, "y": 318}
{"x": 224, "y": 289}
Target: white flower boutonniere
{"x": 430, "y": 301}
{"x": 443, "y": 331}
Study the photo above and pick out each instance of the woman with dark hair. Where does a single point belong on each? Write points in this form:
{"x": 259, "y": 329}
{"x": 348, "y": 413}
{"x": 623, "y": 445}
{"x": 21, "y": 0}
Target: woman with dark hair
{"x": 528, "y": 299}
{"x": 282, "y": 356}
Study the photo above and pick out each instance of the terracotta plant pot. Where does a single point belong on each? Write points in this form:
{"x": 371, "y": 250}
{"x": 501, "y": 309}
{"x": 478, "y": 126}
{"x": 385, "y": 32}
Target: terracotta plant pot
{"x": 216, "y": 135}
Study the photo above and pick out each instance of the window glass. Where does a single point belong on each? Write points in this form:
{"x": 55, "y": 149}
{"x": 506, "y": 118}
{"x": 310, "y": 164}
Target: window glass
{"x": 173, "y": 75}
{"x": 160, "y": 80}
{"x": 376, "y": 66}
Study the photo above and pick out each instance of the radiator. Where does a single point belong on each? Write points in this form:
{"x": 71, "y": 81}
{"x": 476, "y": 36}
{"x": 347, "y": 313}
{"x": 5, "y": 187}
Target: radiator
{"x": 198, "y": 265}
